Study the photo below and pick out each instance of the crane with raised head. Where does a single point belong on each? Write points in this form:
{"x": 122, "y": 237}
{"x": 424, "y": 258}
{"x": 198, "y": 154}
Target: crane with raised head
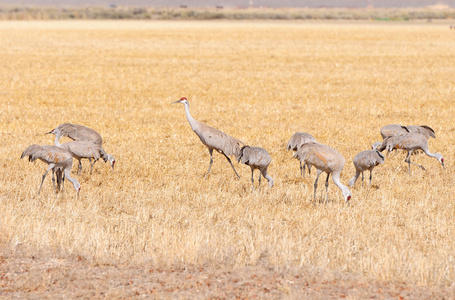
{"x": 256, "y": 158}
{"x": 57, "y": 158}
{"x": 297, "y": 140}
{"x": 213, "y": 138}
{"x": 410, "y": 142}
{"x": 366, "y": 160}
{"x": 78, "y": 132}
{"x": 324, "y": 159}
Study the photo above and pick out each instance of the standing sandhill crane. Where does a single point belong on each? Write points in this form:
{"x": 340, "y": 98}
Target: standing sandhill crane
{"x": 82, "y": 133}
{"x": 212, "y": 138}
{"x": 256, "y": 158}
{"x": 410, "y": 142}
{"x": 297, "y": 140}
{"x": 79, "y": 149}
{"x": 324, "y": 159}
{"x": 57, "y": 158}
{"x": 366, "y": 160}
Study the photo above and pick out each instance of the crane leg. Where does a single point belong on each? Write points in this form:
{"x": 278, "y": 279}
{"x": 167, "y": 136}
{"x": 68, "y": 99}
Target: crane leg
{"x": 259, "y": 179}
{"x": 211, "y": 161}
{"x": 229, "y": 160}
{"x": 51, "y": 167}
{"x": 268, "y": 177}
{"x": 316, "y": 185}
{"x": 58, "y": 173}
{"x": 371, "y": 176}
{"x": 302, "y": 170}
{"x": 252, "y": 179}
{"x": 408, "y": 160}
{"x": 309, "y": 168}
{"x": 327, "y": 188}
{"x": 362, "y": 178}
{"x": 91, "y": 165}
{"x": 79, "y": 167}
{"x": 53, "y": 181}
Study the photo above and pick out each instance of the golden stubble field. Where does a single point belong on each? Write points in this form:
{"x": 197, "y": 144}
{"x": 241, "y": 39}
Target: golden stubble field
{"x": 259, "y": 82}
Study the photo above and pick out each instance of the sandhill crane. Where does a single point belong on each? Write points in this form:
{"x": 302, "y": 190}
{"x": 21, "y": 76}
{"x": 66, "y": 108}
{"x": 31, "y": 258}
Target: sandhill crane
{"x": 366, "y": 160}
{"x": 82, "y": 133}
{"x": 256, "y": 158}
{"x": 57, "y": 158}
{"x": 410, "y": 142}
{"x": 212, "y": 138}
{"x": 84, "y": 149}
{"x": 324, "y": 159}
{"x": 297, "y": 140}
{"x": 79, "y": 150}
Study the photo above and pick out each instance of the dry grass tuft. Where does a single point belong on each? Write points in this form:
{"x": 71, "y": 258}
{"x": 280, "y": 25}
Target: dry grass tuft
{"x": 259, "y": 82}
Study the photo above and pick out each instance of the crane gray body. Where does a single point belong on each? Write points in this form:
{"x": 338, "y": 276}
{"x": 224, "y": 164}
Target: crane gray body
{"x": 324, "y": 159}
{"x": 57, "y": 158}
{"x": 256, "y": 158}
{"x": 366, "y": 160}
{"x": 213, "y": 138}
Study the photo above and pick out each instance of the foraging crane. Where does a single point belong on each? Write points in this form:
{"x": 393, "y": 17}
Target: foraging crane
{"x": 410, "y": 142}
{"x": 256, "y": 158}
{"x": 82, "y": 133}
{"x": 366, "y": 160}
{"x": 86, "y": 135}
{"x": 57, "y": 158}
{"x": 297, "y": 140}
{"x": 212, "y": 138}
{"x": 79, "y": 149}
{"x": 324, "y": 159}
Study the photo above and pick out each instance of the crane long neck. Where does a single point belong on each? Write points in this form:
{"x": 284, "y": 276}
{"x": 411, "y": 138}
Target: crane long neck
{"x": 57, "y": 138}
{"x": 191, "y": 120}
{"x": 427, "y": 152}
{"x": 71, "y": 179}
{"x": 336, "y": 180}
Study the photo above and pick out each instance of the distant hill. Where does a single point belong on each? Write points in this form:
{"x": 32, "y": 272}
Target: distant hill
{"x": 239, "y": 3}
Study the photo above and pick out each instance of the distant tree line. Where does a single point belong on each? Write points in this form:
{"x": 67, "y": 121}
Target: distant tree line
{"x": 185, "y": 13}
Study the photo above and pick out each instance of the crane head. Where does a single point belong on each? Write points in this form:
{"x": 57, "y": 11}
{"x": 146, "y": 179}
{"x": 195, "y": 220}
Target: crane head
{"x": 55, "y": 131}
{"x": 182, "y": 100}
{"x": 440, "y": 158}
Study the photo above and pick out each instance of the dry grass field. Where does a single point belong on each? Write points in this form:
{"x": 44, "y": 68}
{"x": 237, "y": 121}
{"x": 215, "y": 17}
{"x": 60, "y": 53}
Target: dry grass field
{"x": 259, "y": 82}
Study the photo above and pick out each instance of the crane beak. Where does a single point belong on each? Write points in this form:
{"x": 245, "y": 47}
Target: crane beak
{"x": 178, "y": 101}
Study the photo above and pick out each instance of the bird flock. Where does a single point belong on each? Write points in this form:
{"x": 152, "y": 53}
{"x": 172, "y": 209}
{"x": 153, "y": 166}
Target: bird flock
{"x": 87, "y": 144}
{"x": 311, "y": 153}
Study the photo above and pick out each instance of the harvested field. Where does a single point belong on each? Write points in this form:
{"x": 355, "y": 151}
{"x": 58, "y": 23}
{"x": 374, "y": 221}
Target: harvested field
{"x": 259, "y": 82}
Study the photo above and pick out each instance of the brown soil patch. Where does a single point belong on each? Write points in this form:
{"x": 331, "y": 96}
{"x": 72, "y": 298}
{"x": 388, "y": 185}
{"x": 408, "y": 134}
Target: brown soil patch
{"x": 43, "y": 277}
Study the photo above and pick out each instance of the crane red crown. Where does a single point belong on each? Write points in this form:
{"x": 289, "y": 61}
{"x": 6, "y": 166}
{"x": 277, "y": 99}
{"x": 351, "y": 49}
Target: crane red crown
{"x": 183, "y": 98}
